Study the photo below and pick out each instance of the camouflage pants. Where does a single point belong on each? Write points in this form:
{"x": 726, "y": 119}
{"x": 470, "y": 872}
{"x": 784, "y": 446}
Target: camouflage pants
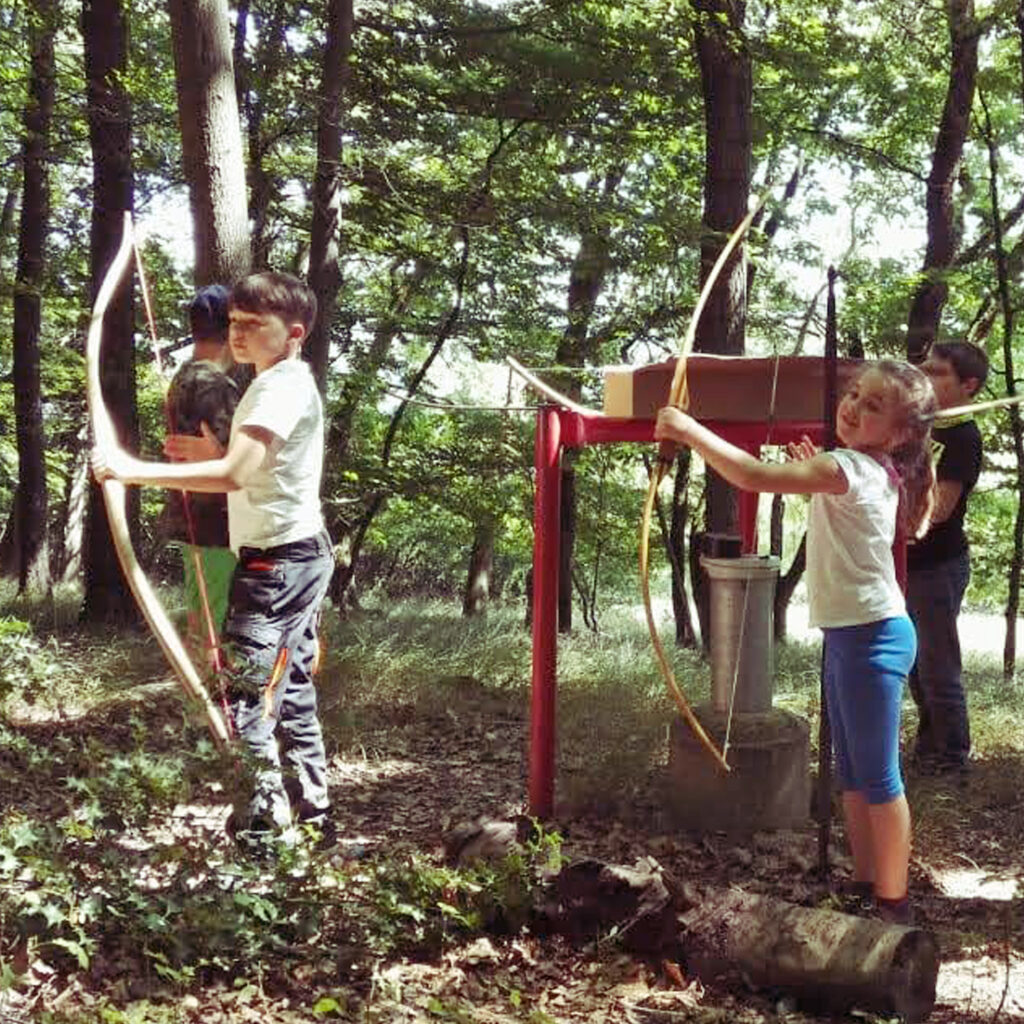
{"x": 271, "y": 640}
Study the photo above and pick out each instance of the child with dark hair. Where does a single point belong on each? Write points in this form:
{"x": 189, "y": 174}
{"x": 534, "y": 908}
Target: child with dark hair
{"x": 859, "y": 493}
{"x": 201, "y": 401}
{"x": 939, "y": 566}
{"x": 271, "y": 473}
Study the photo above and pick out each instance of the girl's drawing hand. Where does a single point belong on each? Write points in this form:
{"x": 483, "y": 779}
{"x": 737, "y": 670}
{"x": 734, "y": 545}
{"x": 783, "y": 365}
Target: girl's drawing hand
{"x": 188, "y": 448}
{"x": 802, "y": 450}
{"x": 673, "y": 425}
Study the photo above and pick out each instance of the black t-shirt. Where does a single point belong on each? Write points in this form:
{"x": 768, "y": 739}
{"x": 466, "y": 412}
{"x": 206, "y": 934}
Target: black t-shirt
{"x": 960, "y": 460}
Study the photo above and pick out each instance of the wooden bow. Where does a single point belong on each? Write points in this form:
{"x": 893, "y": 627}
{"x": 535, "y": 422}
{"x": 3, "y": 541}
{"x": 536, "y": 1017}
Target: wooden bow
{"x": 105, "y": 436}
{"x": 679, "y": 398}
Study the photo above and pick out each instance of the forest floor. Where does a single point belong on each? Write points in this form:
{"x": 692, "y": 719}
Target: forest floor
{"x": 119, "y": 843}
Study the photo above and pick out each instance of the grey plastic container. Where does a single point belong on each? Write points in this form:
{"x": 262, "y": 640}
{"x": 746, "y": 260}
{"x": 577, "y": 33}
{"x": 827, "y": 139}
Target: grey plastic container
{"x": 742, "y": 626}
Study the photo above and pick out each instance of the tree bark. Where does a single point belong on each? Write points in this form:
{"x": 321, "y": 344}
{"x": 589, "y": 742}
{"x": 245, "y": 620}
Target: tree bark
{"x": 833, "y": 960}
{"x": 31, "y": 497}
{"x": 586, "y": 279}
{"x": 481, "y": 565}
{"x": 727, "y": 83}
{"x": 324, "y": 269}
{"x": 105, "y": 32}
{"x": 253, "y": 81}
{"x": 211, "y": 138}
{"x": 686, "y": 635}
{"x": 1009, "y": 376}
{"x": 954, "y": 125}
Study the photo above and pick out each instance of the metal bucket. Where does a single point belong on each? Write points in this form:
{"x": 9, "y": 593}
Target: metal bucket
{"x": 742, "y": 631}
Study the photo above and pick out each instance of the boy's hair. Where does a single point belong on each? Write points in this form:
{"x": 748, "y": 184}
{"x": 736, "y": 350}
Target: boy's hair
{"x": 208, "y": 312}
{"x": 968, "y": 360}
{"x": 272, "y": 292}
{"x": 912, "y": 458}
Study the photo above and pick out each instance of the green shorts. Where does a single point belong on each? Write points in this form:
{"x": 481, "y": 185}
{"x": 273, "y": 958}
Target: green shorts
{"x": 218, "y": 568}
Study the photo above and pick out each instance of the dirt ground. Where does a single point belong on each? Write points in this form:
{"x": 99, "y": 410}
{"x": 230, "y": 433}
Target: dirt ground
{"x": 416, "y": 773}
{"x": 967, "y": 879}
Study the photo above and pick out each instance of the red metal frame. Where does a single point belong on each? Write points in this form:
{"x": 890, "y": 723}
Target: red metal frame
{"x": 557, "y": 429}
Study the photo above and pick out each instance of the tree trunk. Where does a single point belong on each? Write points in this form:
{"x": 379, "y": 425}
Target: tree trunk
{"x": 105, "y": 32}
{"x": 686, "y": 636}
{"x": 31, "y": 497}
{"x": 726, "y": 79}
{"x": 211, "y": 138}
{"x": 787, "y": 584}
{"x": 69, "y": 561}
{"x": 251, "y": 91}
{"x": 931, "y": 294}
{"x": 1009, "y": 375}
{"x": 324, "y": 270}
{"x": 7, "y": 211}
{"x": 586, "y": 279}
{"x": 566, "y": 545}
{"x": 481, "y": 565}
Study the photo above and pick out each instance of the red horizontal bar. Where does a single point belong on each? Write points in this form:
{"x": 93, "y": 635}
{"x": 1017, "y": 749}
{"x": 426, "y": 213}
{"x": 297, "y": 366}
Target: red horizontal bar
{"x": 579, "y": 431}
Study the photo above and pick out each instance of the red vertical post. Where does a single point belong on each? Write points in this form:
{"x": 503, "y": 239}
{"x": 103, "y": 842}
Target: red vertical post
{"x": 546, "y": 538}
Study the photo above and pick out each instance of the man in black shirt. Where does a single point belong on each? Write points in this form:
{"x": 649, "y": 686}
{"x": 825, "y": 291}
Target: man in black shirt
{"x": 938, "y": 565}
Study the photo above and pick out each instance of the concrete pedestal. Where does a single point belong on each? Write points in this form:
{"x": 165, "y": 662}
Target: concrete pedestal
{"x": 769, "y": 786}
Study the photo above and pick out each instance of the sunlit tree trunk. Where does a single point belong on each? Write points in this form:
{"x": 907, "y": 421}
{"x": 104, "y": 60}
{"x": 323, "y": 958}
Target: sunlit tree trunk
{"x": 31, "y": 501}
{"x": 211, "y": 138}
{"x": 324, "y": 270}
{"x": 481, "y": 566}
{"x": 105, "y": 33}
{"x": 931, "y": 294}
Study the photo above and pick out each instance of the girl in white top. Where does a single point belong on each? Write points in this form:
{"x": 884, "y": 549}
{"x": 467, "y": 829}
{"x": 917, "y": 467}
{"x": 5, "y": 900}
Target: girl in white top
{"x": 860, "y": 492}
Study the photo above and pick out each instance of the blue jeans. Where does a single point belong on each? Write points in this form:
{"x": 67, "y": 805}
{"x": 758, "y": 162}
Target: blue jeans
{"x": 934, "y": 597}
{"x": 272, "y": 644}
{"x": 864, "y": 671}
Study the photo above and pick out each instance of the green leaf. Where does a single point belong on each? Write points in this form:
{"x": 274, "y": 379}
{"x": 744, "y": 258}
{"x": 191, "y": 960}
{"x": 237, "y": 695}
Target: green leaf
{"x": 326, "y": 1005}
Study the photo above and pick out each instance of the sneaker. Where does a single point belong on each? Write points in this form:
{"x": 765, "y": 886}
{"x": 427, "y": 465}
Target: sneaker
{"x": 855, "y": 897}
{"x": 895, "y": 911}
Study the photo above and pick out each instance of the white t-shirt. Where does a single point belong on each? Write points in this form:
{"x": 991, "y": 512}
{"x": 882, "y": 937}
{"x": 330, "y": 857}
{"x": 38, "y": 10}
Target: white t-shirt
{"x": 281, "y": 503}
{"x": 851, "y": 577}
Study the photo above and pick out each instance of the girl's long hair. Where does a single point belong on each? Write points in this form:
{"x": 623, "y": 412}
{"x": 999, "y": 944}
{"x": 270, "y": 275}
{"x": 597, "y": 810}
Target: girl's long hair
{"x": 912, "y": 458}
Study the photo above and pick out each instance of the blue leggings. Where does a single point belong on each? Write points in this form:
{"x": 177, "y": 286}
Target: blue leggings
{"x": 865, "y": 669}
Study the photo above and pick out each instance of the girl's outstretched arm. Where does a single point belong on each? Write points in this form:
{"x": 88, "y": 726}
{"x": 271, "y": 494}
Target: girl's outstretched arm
{"x": 817, "y": 474}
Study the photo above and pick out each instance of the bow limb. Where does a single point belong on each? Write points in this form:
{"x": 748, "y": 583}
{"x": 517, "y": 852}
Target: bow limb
{"x": 679, "y": 398}
{"x": 657, "y": 474}
{"x": 105, "y": 436}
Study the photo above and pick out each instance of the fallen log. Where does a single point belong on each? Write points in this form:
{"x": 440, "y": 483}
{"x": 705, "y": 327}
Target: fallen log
{"x": 823, "y": 957}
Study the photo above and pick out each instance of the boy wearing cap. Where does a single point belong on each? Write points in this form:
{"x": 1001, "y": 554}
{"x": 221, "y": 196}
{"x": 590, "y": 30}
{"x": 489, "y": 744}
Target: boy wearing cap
{"x": 201, "y": 402}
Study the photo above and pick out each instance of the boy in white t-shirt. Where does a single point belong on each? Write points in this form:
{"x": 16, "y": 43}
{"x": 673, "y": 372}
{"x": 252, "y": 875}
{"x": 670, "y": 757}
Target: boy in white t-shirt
{"x": 271, "y": 472}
